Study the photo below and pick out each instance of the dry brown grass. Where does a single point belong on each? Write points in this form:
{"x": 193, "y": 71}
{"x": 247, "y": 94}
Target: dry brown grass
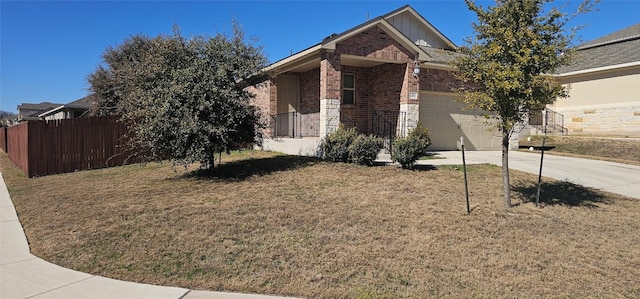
{"x": 296, "y": 226}
{"x": 621, "y": 150}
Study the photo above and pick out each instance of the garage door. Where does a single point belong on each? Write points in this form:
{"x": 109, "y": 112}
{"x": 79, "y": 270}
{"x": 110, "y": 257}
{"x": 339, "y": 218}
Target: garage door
{"x": 446, "y": 121}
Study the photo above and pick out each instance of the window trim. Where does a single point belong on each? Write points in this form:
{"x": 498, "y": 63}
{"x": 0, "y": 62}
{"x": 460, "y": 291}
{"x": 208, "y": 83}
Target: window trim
{"x": 352, "y": 89}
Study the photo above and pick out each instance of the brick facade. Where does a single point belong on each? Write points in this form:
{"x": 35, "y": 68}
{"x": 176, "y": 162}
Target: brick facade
{"x": 265, "y": 97}
{"x": 385, "y": 86}
{"x": 330, "y": 76}
{"x": 310, "y": 91}
{"x": 381, "y": 87}
{"x": 358, "y": 113}
{"x": 438, "y": 80}
{"x": 374, "y": 43}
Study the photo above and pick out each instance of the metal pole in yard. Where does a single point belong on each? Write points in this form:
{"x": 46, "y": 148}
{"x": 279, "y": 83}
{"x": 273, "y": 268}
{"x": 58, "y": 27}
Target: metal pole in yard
{"x": 540, "y": 173}
{"x": 544, "y": 137}
{"x": 464, "y": 167}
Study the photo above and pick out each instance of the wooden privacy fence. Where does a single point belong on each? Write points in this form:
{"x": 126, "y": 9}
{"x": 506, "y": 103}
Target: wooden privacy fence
{"x": 41, "y": 148}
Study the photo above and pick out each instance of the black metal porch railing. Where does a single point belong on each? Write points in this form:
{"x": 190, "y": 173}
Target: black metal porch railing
{"x": 387, "y": 124}
{"x": 295, "y": 125}
{"x": 548, "y": 121}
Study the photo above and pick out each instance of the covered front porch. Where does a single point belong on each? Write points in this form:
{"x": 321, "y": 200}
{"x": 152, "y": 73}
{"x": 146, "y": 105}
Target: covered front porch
{"x": 372, "y": 95}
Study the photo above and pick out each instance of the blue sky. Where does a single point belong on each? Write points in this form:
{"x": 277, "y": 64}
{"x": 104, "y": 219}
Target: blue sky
{"x": 47, "y": 48}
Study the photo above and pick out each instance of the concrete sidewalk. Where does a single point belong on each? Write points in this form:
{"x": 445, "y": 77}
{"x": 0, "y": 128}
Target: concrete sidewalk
{"x": 23, "y": 275}
{"x": 612, "y": 177}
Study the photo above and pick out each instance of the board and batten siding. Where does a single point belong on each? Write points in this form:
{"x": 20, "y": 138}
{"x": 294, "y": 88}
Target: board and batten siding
{"x": 415, "y": 30}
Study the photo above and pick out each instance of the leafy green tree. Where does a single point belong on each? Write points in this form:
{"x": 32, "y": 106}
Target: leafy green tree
{"x": 183, "y": 99}
{"x": 517, "y": 45}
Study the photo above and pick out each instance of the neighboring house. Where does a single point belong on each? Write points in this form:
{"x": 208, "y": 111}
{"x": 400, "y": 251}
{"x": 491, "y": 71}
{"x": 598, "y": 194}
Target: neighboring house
{"x": 604, "y": 86}
{"x": 29, "y": 111}
{"x": 381, "y": 77}
{"x": 74, "y": 109}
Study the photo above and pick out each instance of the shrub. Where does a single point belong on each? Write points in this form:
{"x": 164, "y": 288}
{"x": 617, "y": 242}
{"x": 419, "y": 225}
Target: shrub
{"x": 335, "y": 146}
{"x": 406, "y": 150}
{"x": 421, "y": 133}
{"x": 364, "y": 149}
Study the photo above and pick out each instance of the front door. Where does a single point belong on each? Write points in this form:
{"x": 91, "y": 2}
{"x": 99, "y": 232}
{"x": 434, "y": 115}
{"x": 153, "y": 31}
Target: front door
{"x": 287, "y": 103}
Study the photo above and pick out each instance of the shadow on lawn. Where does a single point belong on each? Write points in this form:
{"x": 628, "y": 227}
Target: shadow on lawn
{"x": 560, "y": 193}
{"x": 243, "y": 169}
{"x": 423, "y": 167}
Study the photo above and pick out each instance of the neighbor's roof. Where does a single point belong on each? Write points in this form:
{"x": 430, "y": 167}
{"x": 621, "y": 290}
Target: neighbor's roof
{"x": 81, "y": 104}
{"x": 618, "y": 48}
{"x": 40, "y": 106}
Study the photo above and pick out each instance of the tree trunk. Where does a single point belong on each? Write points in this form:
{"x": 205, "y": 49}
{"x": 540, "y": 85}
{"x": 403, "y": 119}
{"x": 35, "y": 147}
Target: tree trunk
{"x": 506, "y": 186}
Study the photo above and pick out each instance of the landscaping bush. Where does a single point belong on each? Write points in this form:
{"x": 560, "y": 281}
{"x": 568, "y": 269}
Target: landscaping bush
{"x": 364, "y": 149}
{"x": 406, "y": 150}
{"x": 335, "y": 146}
{"x": 421, "y": 133}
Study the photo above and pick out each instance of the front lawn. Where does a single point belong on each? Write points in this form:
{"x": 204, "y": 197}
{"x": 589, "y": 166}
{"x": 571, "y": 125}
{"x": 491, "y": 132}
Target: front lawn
{"x": 274, "y": 224}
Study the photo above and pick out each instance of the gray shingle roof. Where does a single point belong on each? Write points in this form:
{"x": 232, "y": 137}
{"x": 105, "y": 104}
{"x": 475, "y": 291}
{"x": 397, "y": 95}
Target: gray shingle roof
{"x": 39, "y": 106}
{"x": 83, "y": 103}
{"x": 615, "y": 48}
{"x": 627, "y": 33}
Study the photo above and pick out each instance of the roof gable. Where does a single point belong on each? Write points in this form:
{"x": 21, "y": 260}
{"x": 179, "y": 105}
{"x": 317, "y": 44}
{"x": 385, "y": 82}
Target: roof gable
{"x": 331, "y": 42}
{"x": 404, "y": 25}
{"x": 417, "y": 29}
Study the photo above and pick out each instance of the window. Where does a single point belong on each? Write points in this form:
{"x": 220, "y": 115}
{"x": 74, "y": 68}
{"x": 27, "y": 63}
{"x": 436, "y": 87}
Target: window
{"x": 348, "y": 89}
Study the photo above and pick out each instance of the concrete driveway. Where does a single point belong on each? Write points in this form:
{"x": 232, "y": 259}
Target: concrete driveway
{"x": 612, "y": 177}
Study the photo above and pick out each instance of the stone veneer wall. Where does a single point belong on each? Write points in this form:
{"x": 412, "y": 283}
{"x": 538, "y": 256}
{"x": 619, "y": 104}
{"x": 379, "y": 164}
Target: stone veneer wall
{"x": 605, "y": 119}
{"x": 412, "y": 116}
{"x": 330, "y": 84}
{"x": 329, "y": 116}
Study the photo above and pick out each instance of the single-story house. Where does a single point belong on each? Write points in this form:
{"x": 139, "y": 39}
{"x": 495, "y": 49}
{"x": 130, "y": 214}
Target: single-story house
{"x": 604, "y": 86}
{"x": 29, "y": 111}
{"x": 74, "y": 109}
{"x": 382, "y": 77}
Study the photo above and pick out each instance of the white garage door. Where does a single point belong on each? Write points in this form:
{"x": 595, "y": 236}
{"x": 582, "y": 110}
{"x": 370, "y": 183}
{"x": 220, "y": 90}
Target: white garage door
{"x": 446, "y": 121}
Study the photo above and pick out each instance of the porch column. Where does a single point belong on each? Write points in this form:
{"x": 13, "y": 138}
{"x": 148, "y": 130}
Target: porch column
{"x": 330, "y": 77}
{"x": 409, "y": 100}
